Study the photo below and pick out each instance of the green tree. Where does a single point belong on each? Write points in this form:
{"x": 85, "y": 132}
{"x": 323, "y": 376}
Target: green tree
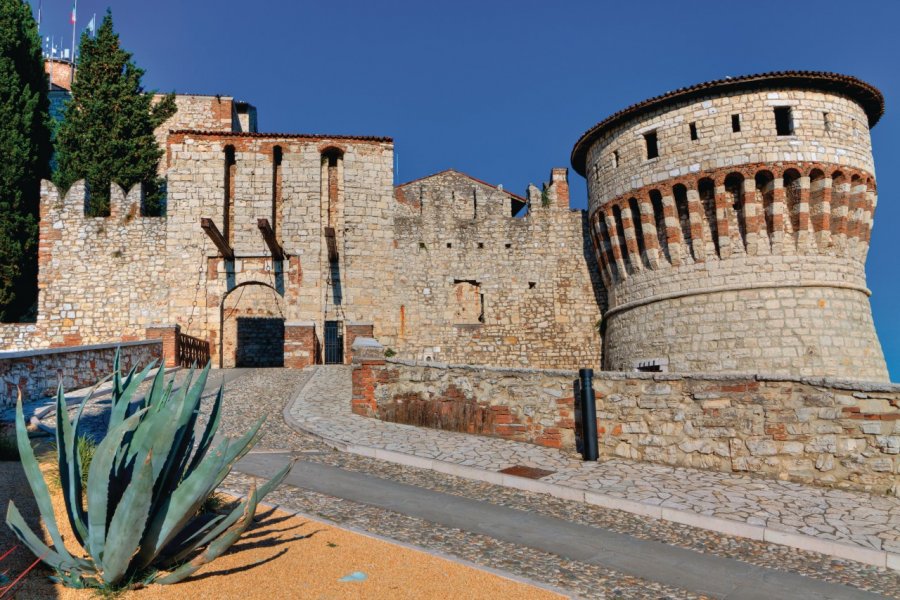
{"x": 24, "y": 155}
{"x": 107, "y": 130}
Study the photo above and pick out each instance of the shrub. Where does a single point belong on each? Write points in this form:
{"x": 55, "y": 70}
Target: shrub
{"x": 146, "y": 483}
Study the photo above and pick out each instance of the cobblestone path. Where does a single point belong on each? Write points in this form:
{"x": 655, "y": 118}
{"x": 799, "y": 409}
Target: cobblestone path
{"x": 268, "y": 392}
{"x": 850, "y": 518}
{"x": 265, "y": 391}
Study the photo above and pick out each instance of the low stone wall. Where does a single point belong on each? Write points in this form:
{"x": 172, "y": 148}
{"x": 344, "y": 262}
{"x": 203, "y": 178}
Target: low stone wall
{"x": 39, "y": 372}
{"x": 845, "y": 434}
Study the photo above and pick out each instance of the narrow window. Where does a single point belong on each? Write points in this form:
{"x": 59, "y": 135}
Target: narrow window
{"x": 826, "y": 119}
{"x": 784, "y": 123}
{"x": 276, "y": 188}
{"x": 735, "y": 123}
{"x": 693, "y": 131}
{"x": 615, "y": 159}
{"x": 652, "y": 146}
{"x": 228, "y": 217}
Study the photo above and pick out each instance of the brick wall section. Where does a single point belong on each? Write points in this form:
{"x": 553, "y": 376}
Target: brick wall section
{"x": 301, "y": 345}
{"x": 353, "y": 331}
{"x": 486, "y": 401}
{"x": 827, "y": 432}
{"x": 39, "y": 372}
{"x": 169, "y": 336}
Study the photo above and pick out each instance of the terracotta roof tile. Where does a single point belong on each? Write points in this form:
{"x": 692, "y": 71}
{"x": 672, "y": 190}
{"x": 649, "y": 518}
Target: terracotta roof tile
{"x": 312, "y": 136}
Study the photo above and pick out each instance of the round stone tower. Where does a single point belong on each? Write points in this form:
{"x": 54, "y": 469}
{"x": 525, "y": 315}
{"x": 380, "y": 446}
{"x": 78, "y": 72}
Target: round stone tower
{"x": 731, "y": 221}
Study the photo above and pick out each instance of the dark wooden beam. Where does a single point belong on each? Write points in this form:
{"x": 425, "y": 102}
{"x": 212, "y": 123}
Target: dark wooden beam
{"x": 269, "y": 235}
{"x": 216, "y": 236}
{"x": 331, "y": 240}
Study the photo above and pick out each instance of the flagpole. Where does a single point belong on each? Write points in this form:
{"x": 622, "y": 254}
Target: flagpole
{"x": 74, "y": 19}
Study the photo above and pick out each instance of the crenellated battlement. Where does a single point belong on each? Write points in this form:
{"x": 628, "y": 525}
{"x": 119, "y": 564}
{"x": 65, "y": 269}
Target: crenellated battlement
{"x": 731, "y": 221}
{"x": 124, "y": 206}
{"x": 100, "y": 277}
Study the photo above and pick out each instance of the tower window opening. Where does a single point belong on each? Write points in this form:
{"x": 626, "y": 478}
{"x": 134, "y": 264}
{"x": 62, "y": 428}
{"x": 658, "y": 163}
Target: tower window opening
{"x": 615, "y": 159}
{"x": 652, "y": 145}
{"x": 784, "y": 122}
{"x": 735, "y": 123}
{"x": 693, "y": 128}
{"x": 826, "y": 119}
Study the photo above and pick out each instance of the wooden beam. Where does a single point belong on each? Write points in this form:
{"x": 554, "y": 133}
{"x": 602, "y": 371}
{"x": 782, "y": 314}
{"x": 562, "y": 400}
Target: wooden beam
{"x": 213, "y": 232}
{"x": 331, "y": 240}
{"x": 269, "y": 235}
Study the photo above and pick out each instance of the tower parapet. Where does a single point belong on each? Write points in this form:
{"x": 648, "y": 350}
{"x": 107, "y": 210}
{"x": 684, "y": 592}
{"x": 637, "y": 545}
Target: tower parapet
{"x": 731, "y": 221}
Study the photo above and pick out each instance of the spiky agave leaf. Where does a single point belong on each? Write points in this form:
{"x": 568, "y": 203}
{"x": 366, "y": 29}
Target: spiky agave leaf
{"x": 99, "y": 474}
{"x": 127, "y": 525}
{"x": 191, "y": 545}
{"x": 228, "y": 532}
{"x": 38, "y": 486}
{"x": 69, "y": 459}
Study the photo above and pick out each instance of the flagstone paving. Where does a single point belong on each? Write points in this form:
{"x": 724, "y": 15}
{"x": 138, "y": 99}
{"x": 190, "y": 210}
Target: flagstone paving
{"x": 850, "y": 518}
{"x": 266, "y": 392}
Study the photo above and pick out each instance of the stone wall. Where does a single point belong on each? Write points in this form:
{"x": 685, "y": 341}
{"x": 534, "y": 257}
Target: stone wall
{"x": 101, "y": 279}
{"x": 829, "y": 432}
{"x": 39, "y": 372}
{"x": 738, "y": 247}
{"x": 475, "y": 284}
{"x": 302, "y": 197}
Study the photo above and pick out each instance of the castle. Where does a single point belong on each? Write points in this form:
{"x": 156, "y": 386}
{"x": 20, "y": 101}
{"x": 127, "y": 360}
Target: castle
{"x": 727, "y": 230}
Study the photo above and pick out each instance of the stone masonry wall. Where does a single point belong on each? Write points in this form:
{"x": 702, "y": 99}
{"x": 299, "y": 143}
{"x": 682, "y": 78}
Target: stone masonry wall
{"x": 475, "y": 284}
{"x": 40, "y": 372}
{"x": 821, "y": 431}
{"x": 738, "y": 249}
{"x": 101, "y": 279}
{"x": 297, "y": 202}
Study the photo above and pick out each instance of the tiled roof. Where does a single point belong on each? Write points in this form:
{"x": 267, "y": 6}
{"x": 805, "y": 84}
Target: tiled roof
{"x": 314, "y": 136}
{"x": 868, "y": 96}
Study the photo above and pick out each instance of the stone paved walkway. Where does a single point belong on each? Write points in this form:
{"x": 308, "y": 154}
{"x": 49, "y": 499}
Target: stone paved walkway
{"x": 840, "y": 523}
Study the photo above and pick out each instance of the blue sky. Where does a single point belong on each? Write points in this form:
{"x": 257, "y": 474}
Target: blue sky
{"x": 503, "y": 89}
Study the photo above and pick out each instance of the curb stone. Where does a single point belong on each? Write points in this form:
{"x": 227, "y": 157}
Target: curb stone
{"x": 869, "y": 556}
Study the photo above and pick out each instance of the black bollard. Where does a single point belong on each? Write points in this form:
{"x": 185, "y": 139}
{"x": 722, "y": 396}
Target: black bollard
{"x": 588, "y": 415}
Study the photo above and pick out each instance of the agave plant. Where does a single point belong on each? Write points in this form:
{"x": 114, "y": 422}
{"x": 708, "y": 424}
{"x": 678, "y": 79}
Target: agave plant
{"x": 145, "y": 487}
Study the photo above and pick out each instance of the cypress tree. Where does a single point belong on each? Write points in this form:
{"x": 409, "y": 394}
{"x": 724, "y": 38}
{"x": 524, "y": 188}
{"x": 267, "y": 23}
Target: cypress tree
{"x": 107, "y": 130}
{"x": 25, "y": 146}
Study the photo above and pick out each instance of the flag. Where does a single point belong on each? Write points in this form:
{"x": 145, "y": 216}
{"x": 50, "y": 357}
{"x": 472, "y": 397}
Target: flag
{"x": 92, "y": 26}
{"x": 74, "y": 6}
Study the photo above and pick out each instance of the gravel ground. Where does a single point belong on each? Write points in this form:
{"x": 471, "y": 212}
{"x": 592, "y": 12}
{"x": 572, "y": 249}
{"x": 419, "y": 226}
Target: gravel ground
{"x": 267, "y": 392}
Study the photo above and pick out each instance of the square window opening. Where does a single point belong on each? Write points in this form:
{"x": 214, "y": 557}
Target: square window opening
{"x": 652, "y": 145}
{"x": 784, "y": 122}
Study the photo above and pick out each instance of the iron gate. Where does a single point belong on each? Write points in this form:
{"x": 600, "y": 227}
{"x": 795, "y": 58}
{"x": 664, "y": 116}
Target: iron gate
{"x": 334, "y": 343}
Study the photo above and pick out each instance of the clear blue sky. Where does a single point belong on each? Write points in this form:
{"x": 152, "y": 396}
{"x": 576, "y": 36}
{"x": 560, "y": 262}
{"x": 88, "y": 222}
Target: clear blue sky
{"x": 502, "y": 90}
